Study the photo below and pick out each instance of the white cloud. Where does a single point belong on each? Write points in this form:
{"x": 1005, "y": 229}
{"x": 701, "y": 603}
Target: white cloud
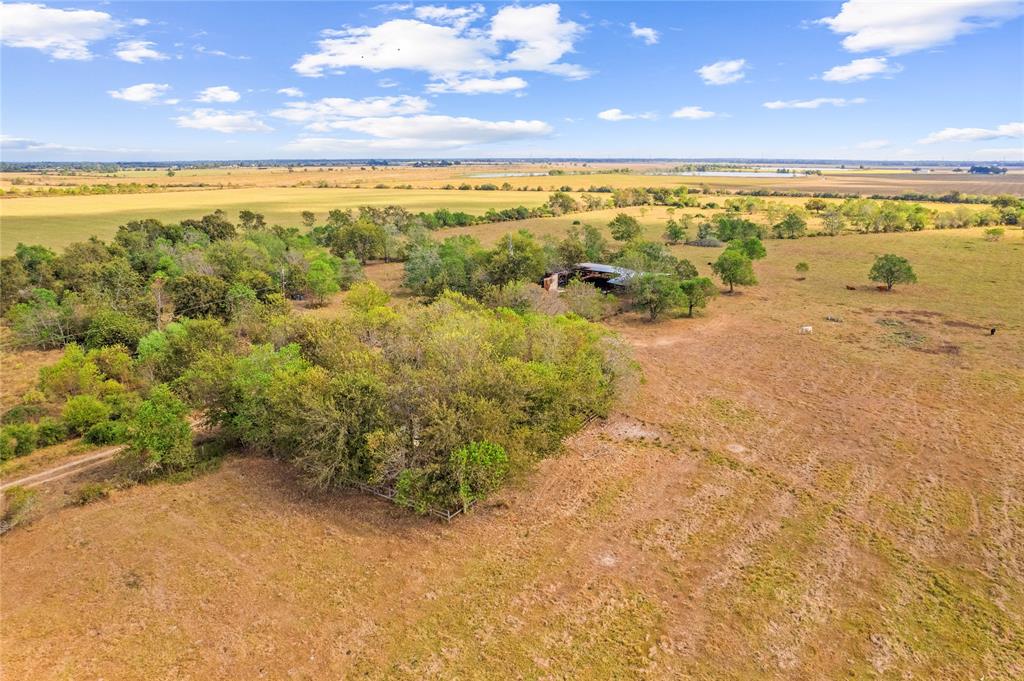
{"x": 693, "y": 113}
{"x": 813, "y": 103}
{"x": 459, "y": 17}
{"x": 146, "y": 93}
{"x": 648, "y": 35}
{"x": 723, "y": 72}
{"x": 222, "y": 121}
{"x": 902, "y": 27}
{"x": 420, "y": 133}
{"x": 337, "y": 112}
{"x": 1007, "y": 130}
{"x": 444, "y": 46}
{"x": 860, "y": 69}
{"x": 202, "y": 49}
{"x": 873, "y": 144}
{"x": 478, "y": 86}
{"x": 139, "y": 22}
{"x": 616, "y": 115}
{"x": 60, "y": 33}
{"x": 542, "y": 37}
{"x": 18, "y": 145}
{"x": 218, "y": 93}
{"x": 137, "y": 51}
{"x": 387, "y": 83}
{"x": 290, "y": 92}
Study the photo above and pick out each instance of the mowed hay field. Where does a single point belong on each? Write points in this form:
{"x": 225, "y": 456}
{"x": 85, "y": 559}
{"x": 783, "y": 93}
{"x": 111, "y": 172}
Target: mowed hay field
{"x": 56, "y": 221}
{"x": 843, "y": 504}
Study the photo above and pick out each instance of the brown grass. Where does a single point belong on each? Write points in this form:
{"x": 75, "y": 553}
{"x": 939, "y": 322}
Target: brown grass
{"x": 769, "y": 505}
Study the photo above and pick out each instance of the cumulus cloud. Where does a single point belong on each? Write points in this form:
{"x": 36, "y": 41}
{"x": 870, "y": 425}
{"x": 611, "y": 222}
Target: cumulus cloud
{"x": 873, "y": 144}
{"x": 60, "y": 33}
{"x": 813, "y": 103}
{"x": 218, "y": 93}
{"x": 19, "y": 145}
{"x": 337, "y": 112}
{"x": 146, "y": 93}
{"x": 290, "y": 92}
{"x": 222, "y": 121}
{"x": 902, "y": 27}
{"x": 693, "y": 113}
{"x": 137, "y": 51}
{"x": 478, "y": 86}
{"x": 648, "y": 35}
{"x": 616, "y": 115}
{"x": 723, "y": 72}
{"x": 440, "y": 42}
{"x": 1007, "y": 130}
{"x": 860, "y": 69}
{"x": 459, "y": 17}
{"x": 420, "y": 133}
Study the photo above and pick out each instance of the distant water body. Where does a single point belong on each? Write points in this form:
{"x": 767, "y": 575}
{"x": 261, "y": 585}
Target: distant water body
{"x": 690, "y": 173}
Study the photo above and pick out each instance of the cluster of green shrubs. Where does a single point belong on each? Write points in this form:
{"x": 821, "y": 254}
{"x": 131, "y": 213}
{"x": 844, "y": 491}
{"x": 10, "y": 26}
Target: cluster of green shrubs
{"x": 87, "y": 394}
{"x": 432, "y": 404}
{"x": 114, "y": 293}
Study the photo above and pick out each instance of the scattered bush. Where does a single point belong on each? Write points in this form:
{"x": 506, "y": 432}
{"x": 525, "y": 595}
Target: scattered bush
{"x": 106, "y": 433}
{"x": 82, "y": 412}
{"x": 89, "y": 493}
{"x": 19, "y": 439}
{"x": 19, "y": 505}
{"x": 50, "y": 431}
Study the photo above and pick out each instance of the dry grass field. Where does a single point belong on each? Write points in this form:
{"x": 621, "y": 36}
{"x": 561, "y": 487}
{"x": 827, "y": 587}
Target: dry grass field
{"x": 844, "y": 504}
{"x": 57, "y": 221}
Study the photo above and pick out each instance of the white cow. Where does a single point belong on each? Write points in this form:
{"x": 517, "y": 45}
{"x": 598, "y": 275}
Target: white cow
{"x": 806, "y": 329}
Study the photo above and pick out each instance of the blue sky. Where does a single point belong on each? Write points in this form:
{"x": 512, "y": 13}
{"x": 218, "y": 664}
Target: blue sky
{"x": 199, "y": 80}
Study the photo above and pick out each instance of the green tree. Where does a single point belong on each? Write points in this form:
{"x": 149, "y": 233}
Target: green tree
{"x": 675, "y": 233}
{"x": 791, "y": 227}
{"x": 82, "y": 412}
{"x": 251, "y": 221}
{"x": 685, "y": 269}
{"x": 892, "y": 269}
{"x": 802, "y": 268}
{"x": 624, "y": 227}
{"x": 750, "y": 247}
{"x": 728, "y": 227}
{"x": 200, "y": 295}
{"x": 833, "y": 222}
{"x": 308, "y": 219}
{"x": 697, "y": 293}
{"x": 655, "y": 294}
{"x": 322, "y": 280}
{"x": 816, "y": 205}
{"x": 734, "y": 267}
{"x": 159, "y": 436}
{"x": 516, "y": 257}
{"x": 363, "y": 238}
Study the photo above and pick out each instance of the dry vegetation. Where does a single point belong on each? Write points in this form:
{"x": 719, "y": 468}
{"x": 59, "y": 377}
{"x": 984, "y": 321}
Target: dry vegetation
{"x": 280, "y": 195}
{"x": 845, "y": 504}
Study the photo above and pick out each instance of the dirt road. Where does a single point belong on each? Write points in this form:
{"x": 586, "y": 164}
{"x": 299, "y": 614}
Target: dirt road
{"x": 65, "y": 469}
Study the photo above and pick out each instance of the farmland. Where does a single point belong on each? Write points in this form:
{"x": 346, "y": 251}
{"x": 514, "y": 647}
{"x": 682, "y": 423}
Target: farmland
{"x": 766, "y": 504}
{"x": 280, "y": 195}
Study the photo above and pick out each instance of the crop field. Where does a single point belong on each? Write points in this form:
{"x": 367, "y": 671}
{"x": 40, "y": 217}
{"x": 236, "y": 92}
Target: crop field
{"x": 842, "y": 504}
{"x": 60, "y": 220}
{"x": 56, "y": 221}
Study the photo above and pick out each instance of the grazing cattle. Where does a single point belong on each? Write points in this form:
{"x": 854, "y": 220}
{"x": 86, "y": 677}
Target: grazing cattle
{"x": 851, "y": 288}
{"x": 992, "y": 331}
{"x": 882, "y": 288}
{"x": 806, "y": 329}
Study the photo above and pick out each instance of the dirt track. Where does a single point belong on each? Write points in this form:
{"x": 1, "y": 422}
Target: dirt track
{"x": 768, "y": 505}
